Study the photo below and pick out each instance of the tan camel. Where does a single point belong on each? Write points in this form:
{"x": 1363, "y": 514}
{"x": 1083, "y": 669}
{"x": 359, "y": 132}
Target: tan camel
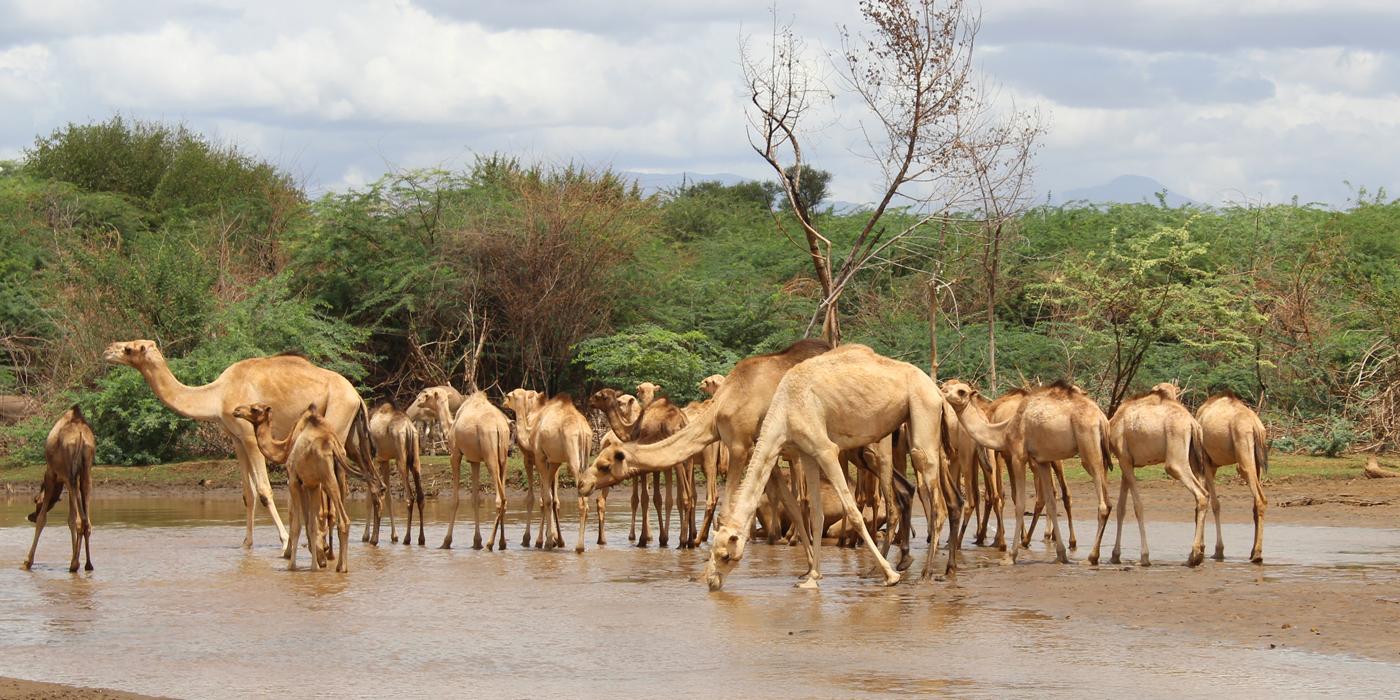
{"x": 846, "y": 398}
{"x": 624, "y": 420}
{"x": 739, "y": 406}
{"x": 1235, "y": 435}
{"x": 559, "y": 435}
{"x": 317, "y": 476}
{"x": 68, "y": 452}
{"x": 522, "y": 403}
{"x": 480, "y": 433}
{"x": 711, "y": 384}
{"x": 1054, "y": 423}
{"x": 288, "y": 383}
{"x": 396, "y": 444}
{"x": 1154, "y": 428}
{"x": 1003, "y": 408}
{"x": 419, "y": 412}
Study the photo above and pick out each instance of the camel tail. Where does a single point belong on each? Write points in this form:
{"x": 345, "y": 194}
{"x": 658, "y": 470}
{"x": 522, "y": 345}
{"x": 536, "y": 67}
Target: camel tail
{"x": 950, "y": 420}
{"x": 1103, "y": 446}
{"x": 1198, "y": 453}
{"x": 410, "y": 448}
{"x": 1261, "y": 453}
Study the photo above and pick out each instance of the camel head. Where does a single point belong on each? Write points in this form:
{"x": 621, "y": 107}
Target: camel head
{"x": 255, "y": 413}
{"x": 613, "y": 465}
{"x": 521, "y": 402}
{"x": 958, "y": 394}
{"x": 725, "y": 553}
{"x": 711, "y": 384}
{"x": 425, "y": 405}
{"x": 646, "y": 391}
{"x": 1167, "y": 389}
{"x": 133, "y": 353}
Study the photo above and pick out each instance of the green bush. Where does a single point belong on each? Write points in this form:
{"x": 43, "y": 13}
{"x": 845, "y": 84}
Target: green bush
{"x": 647, "y": 353}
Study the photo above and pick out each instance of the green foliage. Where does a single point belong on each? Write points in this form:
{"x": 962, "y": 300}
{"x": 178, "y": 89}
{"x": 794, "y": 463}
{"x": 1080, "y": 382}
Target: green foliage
{"x": 646, "y": 353}
{"x": 811, "y": 187}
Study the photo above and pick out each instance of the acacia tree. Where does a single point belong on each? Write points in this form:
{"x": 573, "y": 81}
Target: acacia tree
{"x": 1145, "y": 290}
{"x": 911, "y": 74}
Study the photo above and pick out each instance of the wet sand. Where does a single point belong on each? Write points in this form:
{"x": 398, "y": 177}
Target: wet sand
{"x": 178, "y": 608}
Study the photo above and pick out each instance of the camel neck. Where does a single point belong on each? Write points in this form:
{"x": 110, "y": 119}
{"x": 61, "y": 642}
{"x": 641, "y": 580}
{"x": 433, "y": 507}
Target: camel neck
{"x": 989, "y": 435}
{"x": 198, "y": 402}
{"x": 274, "y": 450}
{"x": 677, "y": 447}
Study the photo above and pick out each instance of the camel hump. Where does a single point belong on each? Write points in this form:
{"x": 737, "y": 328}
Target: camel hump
{"x": 803, "y": 349}
{"x": 76, "y": 412}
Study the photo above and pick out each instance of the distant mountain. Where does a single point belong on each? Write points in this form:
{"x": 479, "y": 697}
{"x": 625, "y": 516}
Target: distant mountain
{"x": 1124, "y": 189}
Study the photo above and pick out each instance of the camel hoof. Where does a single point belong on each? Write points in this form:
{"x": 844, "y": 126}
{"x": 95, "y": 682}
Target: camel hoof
{"x": 1256, "y": 559}
{"x": 525, "y": 541}
{"x": 26, "y": 565}
{"x": 1218, "y": 556}
{"x": 809, "y": 584}
{"x": 1007, "y": 561}
{"x": 394, "y": 539}
{"x": 905, "y": 561}
{"x": 891, "y": 578}
{"x": 406, "y": 542}
{"x": 364, "y": 538}
{"x": 446, "y": 545}
{"x": 73, "y": 569}
{"x": 1144, "y": 562}
{"x": 578, "y": 549}
{"x": 1115, "y": 559}
{"x": 88, "y": 567}
{"x": 1073, "y": 545}
{"x": 490, "y": 546}
{"x": 1196, "y": 559}
{"x": 422, "y": 541}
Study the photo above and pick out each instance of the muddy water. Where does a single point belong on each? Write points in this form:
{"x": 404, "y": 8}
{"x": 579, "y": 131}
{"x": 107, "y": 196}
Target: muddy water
{"x": 177, "y": 607}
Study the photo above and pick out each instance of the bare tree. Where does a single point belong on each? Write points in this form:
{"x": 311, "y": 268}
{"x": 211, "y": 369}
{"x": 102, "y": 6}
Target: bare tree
{"x": 911, "y": 74}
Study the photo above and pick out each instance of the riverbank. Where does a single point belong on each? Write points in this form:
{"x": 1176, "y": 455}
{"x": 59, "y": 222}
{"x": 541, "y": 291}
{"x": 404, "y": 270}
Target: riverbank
{"x": 19, "y": 689}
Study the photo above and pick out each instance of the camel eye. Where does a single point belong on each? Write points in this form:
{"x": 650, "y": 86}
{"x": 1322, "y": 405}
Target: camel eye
{"x": 126, "y": 350}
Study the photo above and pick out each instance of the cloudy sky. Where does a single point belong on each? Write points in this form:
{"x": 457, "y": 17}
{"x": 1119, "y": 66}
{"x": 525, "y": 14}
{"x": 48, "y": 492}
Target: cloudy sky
{"x": 1221, "y": 101}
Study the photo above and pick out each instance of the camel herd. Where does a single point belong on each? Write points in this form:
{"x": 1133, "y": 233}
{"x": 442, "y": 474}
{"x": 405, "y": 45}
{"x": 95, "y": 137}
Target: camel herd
{"x": 821, "y": 410}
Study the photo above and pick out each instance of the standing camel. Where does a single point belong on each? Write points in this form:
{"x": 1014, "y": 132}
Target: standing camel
{"x": 523, "y": 403}
{"x": 317, "y": 475}
{"x": 624, "y": 416}
{"x": 713, "y": 460}
{"x": 1003, "y": 408}
{"x": 1154, "y": 428}
{"x": 843, "y": 399}
{"x": 418, "y": 412}
{"x": 1235, "y": 435}
{"x": 288, "y": 383}
{"x": 1054, "y": 423}
{"x": 396, "y": 442}
{"x": 559, "y": 435}
{"x": 479, "y": 433}
{"x": 68, "y": 452}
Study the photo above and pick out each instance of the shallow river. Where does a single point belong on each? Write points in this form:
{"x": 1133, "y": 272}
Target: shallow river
{"x": 177, "y": 607}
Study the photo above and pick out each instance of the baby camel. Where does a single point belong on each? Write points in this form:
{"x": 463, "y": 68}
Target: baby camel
{"x": 317, "y": 471}
{"x": 1154, "y": 428}
{"x": 396, "y": 441}
{"x": 68, "y": 451}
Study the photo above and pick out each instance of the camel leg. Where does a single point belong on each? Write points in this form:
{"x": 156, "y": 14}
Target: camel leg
{"x": 40, "y": 520}
{"x": 342, "y": 522}
{"x": 75, "y": 526}
{"x": 1181, "y": 471}
{"x": 407, "y": 502}
{"x": 528, "y": 467}
{"x": 644, "y": 499}
{"x": 582, "y": 523}
{"x": 998, "y": 498}
{"x": 636, "y": 489}
{"x": 1064, "y": 495}
{"x": 1052, "y": 515}
{"x": 789, "y": 501}
{"x": 1116, "y": 556}
{"x": 547, "y": 511}
{"x": 498, "y": 528}
{"x": 456, "y": 497}
{"x": 829, "y": 464}
{"x": 711, "y": 499}
{"x": 950, "y": 488}
{"x": 1014, "y": 477}
{"x": 1131, "y": 477}
{"x": 1215, "y": 509}
{"x": 86, "y": 485}
{"x": 1251, "y": 477}
{"x": 602, "y": 504}
{"x": 685, "y": 494}
{"x": 476, "y": 503}
{"x": 973, "y": 508}
{"x": 669, "y": 493}
{"x": 294, "y": 490}
{"x": 257, "y": 467}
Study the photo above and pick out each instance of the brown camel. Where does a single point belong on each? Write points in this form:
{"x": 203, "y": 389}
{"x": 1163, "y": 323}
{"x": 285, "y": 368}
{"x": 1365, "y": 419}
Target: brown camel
{"x": 68, "y": 452}
{"x": 843, "y": 399}
{"x": 559, "y": 435}
{"x": 396, "y": 444}
{"x": 288, "y": 383}
{"x": 522, "y": 403}
{"x": 317, "y": 476}
{"x": 713, "y": 461}
{"x": 1003, "y": 408}
{"x": 480, "y": 433}
{"x": 658, "y": 420}
{"x": 711, "y": 384}
{"x": 734, "y": 419}
{"x": 624, "y": 413}
{"x": 1054, "y": 423}
{"x": 1154, "y": 428}
{"x": 1235, "y": 435}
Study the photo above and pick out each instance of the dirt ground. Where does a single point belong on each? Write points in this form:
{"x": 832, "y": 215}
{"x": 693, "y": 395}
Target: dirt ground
{"x": 16, "y": 689}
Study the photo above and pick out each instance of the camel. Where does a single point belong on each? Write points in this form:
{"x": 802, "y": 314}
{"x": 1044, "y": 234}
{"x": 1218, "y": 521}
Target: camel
{"x": 713, "y": 460}
{"x": 846, "y": 398}
{"x": 733, "y": 419}
{"x": 396, "y": 443}
{"x": 659, "y": 419}
{"x": 1154, "y": 428}
{"x": 711, "y": 384}
{"x": 288, "y": 383}
{"x": 317, "y": 468}
{"x": 419, "y": 413}
{"x": 480, "y": 433}
{"x": 68, "y": 452}
{"x": 559, "y": 434}
{"x": 623, "y": 414}
{"x": 1235, "y": 435}
{"x": 523, "y": 402}
{"x": 1053, "y": 423}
